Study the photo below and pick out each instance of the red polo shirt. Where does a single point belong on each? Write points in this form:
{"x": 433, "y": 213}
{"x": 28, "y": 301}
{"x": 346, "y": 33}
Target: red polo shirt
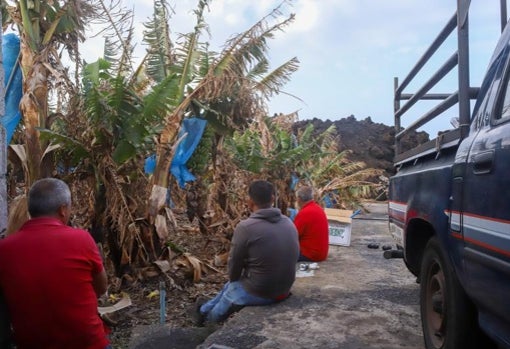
{"x": 46, "y": 273}
{"x": 312, "y": 225}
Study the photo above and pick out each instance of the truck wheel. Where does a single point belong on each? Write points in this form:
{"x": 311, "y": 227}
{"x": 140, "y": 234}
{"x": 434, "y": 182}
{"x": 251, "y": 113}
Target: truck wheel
{"x": 448, "y": 318}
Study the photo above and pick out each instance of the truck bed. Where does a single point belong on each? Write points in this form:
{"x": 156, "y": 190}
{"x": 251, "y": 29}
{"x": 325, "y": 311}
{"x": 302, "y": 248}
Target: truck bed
{"x": 445, "y": 140}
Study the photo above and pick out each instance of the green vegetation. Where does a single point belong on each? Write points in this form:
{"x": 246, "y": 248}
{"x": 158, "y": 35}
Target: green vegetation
{"x": 106, "y": 122}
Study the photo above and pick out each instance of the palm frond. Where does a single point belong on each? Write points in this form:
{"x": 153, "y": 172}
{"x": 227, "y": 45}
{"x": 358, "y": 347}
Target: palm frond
{"x": 250, "y": 46}
{"x": 118, "y": 22}
{"x": 157, "y": 37}
{"x": 258, "y": 70}
{"x": 116, "y": 112}
{"x": 188, "y": 54}
{"x": 73, "y": 147}
{"x": 272, "y": 82}
{"x": 125, "y": 66}
{"x": 306, "y": 136}
{"x": 110, "y": 51}
{"x": 161, "y": 98}
{"x": 67, "y": 23}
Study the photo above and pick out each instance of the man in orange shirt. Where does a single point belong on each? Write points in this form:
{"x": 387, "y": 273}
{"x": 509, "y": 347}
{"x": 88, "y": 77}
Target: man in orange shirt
{"x": 312, "y": 225}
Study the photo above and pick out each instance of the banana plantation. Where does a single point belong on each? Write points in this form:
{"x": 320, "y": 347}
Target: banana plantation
{"x": 97, "y": 125}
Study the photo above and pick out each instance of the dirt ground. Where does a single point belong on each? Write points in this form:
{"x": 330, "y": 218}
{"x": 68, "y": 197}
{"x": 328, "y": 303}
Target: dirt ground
{"x": 356, "y": 299}
{"x": 181, "y": 291}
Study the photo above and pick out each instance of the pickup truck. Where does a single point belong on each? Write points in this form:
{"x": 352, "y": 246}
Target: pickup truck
{"x": 449, "y": 201}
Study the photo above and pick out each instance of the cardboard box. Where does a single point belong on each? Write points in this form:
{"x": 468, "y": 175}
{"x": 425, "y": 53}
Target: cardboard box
{"x": 340, "y": 222}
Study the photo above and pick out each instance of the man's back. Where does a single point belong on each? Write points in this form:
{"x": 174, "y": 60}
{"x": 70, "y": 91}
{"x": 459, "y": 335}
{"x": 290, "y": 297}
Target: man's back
{"x": 312, "y": 225}
{"x": 46, "y": 276}
{"x": 264, "y": 252}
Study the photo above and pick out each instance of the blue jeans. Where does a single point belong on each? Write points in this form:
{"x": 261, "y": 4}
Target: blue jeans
{"x": 233, "y": 294}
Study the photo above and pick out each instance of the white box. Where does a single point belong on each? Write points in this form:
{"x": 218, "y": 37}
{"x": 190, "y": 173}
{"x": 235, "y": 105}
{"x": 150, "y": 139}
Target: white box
{"x": 339, "y": 222}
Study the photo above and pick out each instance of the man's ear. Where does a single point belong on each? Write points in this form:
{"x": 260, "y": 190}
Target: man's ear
{"x": 64, "y": 213}
{"x": 250, "y": 203}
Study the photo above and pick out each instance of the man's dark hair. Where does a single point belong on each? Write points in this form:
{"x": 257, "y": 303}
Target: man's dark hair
{"x": 261, "y": 192}
{"x": 46, "y": 196}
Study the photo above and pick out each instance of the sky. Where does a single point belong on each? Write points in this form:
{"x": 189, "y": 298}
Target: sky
{"x": 349, "y": 50}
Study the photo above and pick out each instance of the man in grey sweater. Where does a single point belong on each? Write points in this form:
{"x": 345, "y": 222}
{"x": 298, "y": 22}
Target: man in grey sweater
{"x": 262, "y": 260}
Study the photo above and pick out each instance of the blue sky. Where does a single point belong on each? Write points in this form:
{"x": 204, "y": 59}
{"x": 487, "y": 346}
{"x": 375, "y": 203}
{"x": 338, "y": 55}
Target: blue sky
{"x": 350, "y": 50}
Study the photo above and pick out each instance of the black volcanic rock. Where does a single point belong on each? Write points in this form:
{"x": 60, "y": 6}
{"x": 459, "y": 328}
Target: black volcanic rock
{"x": 369, "y": 142}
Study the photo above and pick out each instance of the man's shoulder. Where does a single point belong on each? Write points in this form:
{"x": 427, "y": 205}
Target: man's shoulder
{"x": 314, "y": 206}
{"x": 308, "y": 208}
{"x": 61, "y": 230}
{"x": 77, "y": 234}
{"x": 247, "y": 222}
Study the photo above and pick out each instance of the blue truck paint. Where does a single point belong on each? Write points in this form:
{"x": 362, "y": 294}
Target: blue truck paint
{"x": 457, "y": 192}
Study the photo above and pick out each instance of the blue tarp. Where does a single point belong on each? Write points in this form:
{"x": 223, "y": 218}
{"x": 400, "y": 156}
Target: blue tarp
{"x": 194, "y": 127}
{"x": 293, "y": 181}
{"x": 327, "y": 201}
{"x": 13, "y": 81}
{"x": 292, "y": 212}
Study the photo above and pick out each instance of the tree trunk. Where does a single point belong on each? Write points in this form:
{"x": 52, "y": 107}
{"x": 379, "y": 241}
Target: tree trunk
{"x": 34, "y": 108}
{"x": 164, "y": 154}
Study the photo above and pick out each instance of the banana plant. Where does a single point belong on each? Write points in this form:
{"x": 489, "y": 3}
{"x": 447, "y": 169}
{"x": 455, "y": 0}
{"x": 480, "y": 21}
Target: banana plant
{"x": 45, "y": 28}
{"x": 226, "y": 88}
{"x": 272, "y": 150}
{"x": 332, "y": 174}
{"x": 112, "y": 129}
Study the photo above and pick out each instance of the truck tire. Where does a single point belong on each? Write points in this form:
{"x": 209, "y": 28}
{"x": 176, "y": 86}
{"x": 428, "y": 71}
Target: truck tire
{"x": 449, "y": 320}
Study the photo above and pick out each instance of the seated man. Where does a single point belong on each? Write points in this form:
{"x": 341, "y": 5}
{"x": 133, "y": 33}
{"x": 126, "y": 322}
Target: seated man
{"x": 312, "y": 225}
{"x": 262, "y": 260}
{"x": 51, "y": 275}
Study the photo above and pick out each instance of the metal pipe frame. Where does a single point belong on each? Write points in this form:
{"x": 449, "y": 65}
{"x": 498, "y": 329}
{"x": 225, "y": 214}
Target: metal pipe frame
{"x": 464, "y": 94}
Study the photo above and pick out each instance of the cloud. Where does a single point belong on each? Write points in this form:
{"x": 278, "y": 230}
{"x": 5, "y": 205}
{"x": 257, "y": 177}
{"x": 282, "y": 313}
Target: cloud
{"x": 350, "y": 50}
{"x": 307, "y": 16}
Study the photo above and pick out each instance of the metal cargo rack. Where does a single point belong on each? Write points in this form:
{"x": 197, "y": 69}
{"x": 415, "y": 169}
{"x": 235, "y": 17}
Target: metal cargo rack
{"x": 462, "y": 97}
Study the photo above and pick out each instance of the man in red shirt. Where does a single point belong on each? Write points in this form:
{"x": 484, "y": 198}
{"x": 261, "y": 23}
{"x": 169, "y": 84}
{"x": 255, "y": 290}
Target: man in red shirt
{"x": 51, "y": 275}
{"x": 312, "y": 225}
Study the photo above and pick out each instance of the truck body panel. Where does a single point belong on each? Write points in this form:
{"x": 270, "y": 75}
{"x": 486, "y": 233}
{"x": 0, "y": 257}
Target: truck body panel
{"x": 456, "y": 190}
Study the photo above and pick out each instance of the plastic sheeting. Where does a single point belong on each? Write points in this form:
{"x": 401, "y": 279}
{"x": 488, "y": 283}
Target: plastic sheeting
{"x": 292, "y": 212}
{"x": 328, "y": 202}
{"x": 13, "y": 81}
{"x": 194, "y": 127}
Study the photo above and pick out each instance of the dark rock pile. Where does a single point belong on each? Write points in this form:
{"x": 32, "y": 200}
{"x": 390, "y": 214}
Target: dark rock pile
{"x": 370, "y": 142}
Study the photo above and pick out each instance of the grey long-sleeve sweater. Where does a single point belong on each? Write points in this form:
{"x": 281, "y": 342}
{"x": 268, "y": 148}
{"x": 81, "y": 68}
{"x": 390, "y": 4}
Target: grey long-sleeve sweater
{"x": 264, "y": 252}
